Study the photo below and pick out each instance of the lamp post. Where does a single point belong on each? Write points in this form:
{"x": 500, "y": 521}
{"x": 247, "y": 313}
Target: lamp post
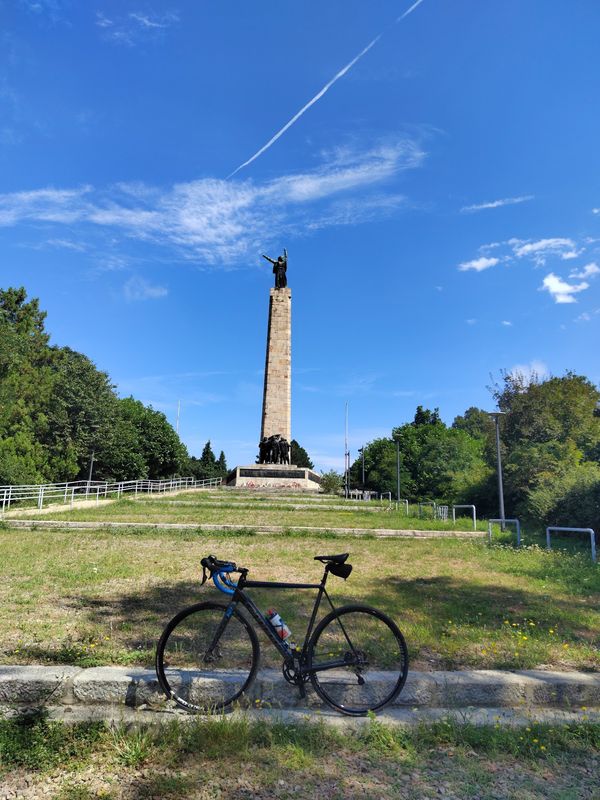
{"x": 94, "y": 429}
{"x": 91, "y": 468}
{"x": 361, "y": 450}
{"x": 346, "y": 459}
{"x": 398, "y": 471}
{"x": 495, "y": 415}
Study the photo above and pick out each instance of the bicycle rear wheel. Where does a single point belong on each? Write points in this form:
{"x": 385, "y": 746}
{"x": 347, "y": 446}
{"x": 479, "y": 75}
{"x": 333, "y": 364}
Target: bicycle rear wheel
{"x": 206, "y": 660}
{"x": 357, "y": 659}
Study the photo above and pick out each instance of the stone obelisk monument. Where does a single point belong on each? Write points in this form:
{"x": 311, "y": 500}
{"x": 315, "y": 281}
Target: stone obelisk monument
{"x": 273, "y": 470}
{"x": 277, "y": 394}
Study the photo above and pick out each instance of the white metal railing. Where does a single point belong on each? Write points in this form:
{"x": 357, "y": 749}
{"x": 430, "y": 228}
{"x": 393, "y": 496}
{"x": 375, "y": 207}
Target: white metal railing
{"x": 502, "y": 523}
{"x": 473, "y": 513}
{"x": 68, "y": 491}
{"x": 574, "y": 530}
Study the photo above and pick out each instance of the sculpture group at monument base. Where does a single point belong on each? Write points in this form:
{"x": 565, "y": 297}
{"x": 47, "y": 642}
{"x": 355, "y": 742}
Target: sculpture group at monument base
{"x": 274, "y": 476}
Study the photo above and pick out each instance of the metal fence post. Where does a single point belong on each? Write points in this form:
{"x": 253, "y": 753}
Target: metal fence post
{"x": 41, "y": 497}
{"x": 72, "y": 496}
{"x": 574, "y": 530}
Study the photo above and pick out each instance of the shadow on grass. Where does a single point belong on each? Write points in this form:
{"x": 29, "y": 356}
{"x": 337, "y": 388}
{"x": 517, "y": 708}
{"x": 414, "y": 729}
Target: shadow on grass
{"x": 422, "y": 607}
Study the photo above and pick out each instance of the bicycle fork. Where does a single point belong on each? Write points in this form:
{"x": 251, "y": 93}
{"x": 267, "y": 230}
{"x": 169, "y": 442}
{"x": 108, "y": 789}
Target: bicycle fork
{"x": 209, "y": 655}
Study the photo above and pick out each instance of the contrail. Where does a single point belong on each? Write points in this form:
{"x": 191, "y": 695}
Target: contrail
{"x": 410, "y": 10}
{"x": 320, "y": 94}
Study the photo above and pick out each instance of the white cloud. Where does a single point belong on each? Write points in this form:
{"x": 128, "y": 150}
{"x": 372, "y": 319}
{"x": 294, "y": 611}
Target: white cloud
{"x": 471, "y": 321}
{"x": 595, "y": 210}
{"x": 42, "y": 205}
{"x": 222, "y": 222}
{"x": 137, "y": 288}
{"x": 540, "y": 250}
{"x": 561, "y": 291}
{"x": 588, "y": 271}
{"x": 154, "y": 20}
{"x": 506, "y": 201}
{"x": 478, "y": 264}
{"x": 135, "y": 26}
{"x": 530, "y": 373}
{"x": 587, "y": 316}
{"x": 507, "y": 323}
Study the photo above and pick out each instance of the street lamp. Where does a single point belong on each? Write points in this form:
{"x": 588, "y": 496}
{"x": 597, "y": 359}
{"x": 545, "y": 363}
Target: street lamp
{"x": 361, "y": 450}
{"x": 495, "y": 415}
{"x": 91, "y": 468}
{"x": 94, "y": 430}
{"x": 346, "y": 459}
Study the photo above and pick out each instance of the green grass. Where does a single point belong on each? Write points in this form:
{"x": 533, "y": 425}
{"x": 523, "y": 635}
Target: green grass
{"x": 198, "y": 509}
{"x": 102, "y": 597}
{"x": 220, "y": 756}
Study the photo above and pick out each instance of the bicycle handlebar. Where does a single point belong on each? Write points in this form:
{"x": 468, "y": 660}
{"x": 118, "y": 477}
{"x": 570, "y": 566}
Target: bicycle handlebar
{"x": 216, "y": 567}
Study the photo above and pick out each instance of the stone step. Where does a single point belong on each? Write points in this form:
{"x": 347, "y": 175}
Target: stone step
{"x": 40, "y": 524}
{"x": 138, "y": 687}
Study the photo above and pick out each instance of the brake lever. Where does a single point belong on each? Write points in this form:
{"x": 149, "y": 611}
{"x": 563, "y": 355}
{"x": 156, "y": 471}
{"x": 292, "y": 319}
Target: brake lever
{"x": 204, "y": 575}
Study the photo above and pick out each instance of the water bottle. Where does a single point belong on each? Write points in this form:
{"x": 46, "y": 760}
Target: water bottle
{"x": 281, "y": 629}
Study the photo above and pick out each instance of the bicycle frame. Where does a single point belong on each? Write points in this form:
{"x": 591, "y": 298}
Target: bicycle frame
{"x": 236, "y": 590}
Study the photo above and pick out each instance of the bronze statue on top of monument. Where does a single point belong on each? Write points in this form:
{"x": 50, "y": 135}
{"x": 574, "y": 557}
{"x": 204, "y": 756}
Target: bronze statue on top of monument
{"x": 279, "y": 269}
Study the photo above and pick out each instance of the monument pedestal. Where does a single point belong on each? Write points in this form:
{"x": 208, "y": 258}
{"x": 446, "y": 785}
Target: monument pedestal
{"x": 274, "y": 476}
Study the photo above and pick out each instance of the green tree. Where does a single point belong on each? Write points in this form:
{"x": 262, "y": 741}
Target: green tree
{"x": 299, "y": 456}
{"x": 221, "y": 466}
{"x": 436, "y": 462}
{"x": 56, "y": 408}
{"x": 331, "y": 482}
{"x": 163, "y": 453}
{"x": 26, "y": 385}
{"x": 476, "y": 422}
{"x": 207, "y": 464}
{"x": 81, "y": 412}
{"x": 551, "y": 427}
{"x": 423, "y": 416}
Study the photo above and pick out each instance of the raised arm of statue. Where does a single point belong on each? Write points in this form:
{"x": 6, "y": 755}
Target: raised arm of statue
{"x": 269, "y": 259}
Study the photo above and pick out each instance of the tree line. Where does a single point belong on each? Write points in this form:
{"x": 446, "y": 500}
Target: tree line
{"x": 550, "y": 450}
{"x": 57, "y": 408}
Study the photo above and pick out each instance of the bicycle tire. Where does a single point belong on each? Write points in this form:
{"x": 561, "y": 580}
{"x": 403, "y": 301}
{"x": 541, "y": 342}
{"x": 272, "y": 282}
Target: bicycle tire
{"x": 196, "y": 680}
{"x": 375, "y": 652}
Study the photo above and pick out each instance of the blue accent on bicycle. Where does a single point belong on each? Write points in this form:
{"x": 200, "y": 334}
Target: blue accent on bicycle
{"x": 222, "y": 582}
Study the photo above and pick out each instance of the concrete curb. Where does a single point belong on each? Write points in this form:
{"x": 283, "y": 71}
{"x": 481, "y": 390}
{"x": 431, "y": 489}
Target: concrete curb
{"x": 396, "y": 717}
{"x": 137, "y": 688}
{"x": 42, "y": 524}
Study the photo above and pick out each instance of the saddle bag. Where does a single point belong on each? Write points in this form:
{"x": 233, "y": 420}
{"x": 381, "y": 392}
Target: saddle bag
{"x": 341, "y": 570}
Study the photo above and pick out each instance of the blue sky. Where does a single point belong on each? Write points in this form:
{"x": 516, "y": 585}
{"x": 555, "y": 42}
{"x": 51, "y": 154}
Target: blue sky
{"x": 440, "y": 202}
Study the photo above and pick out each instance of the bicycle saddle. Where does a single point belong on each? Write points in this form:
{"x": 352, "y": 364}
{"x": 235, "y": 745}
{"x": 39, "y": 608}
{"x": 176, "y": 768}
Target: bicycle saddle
{"x": 339, "y": 559}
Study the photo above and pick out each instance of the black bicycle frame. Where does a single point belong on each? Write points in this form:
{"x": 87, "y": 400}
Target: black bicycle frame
{"x": 256, "y": 614}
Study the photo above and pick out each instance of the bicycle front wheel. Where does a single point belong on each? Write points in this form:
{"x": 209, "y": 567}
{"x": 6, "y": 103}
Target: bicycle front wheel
{"x": 357, "y": 660}
{"x": 206, "y": 660}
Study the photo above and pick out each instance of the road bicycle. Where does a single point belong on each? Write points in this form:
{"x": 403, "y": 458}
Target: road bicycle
{"x": 208, "y": 654}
